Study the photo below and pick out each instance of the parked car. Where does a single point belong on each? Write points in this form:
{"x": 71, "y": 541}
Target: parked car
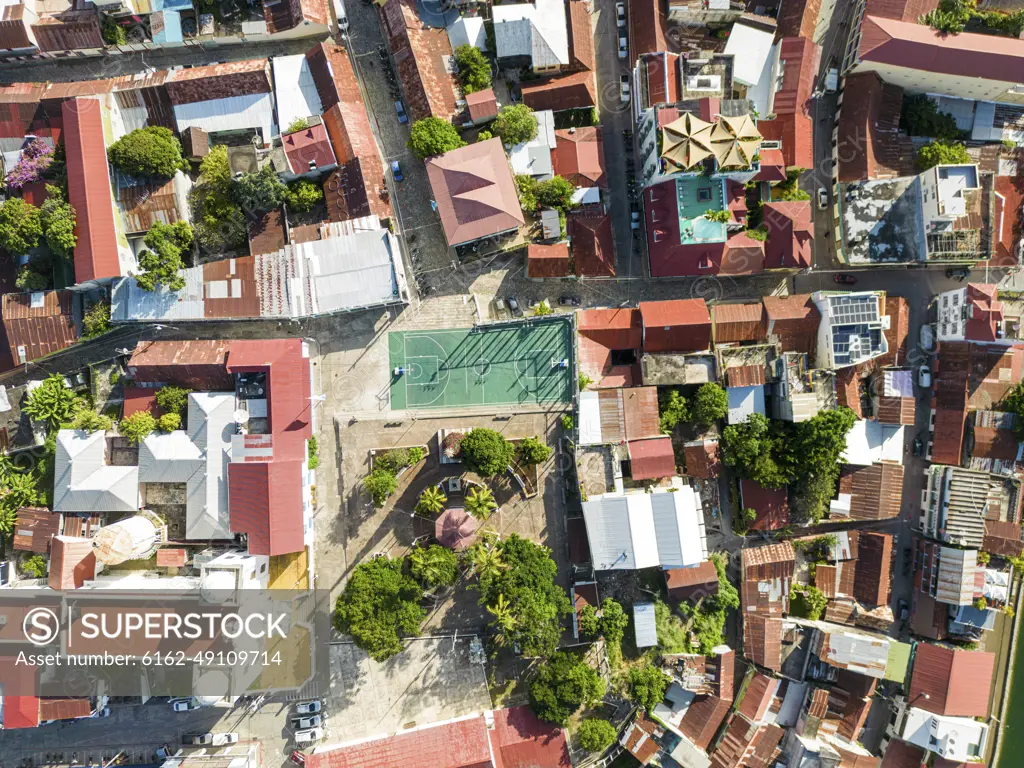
{"x": 307, "y": 707}
{"x": 822, "y": 198}
{"x": 396, "y": 170}
{"x": 620, "y": 14}
{"x": 400, "y": 109}
{"x": 958, "y": 273}
{"x": 297, "y": 757}
{"x": 184, "y": 705}
{"x": 568, "y": 301}
{"x": 924, "y": 376}
{"x": 927, "y": 337}
{"x": 845, "y": 279}
{"x": 309, "y": 736}
{"x": 513, "y": 306}
{"x": 199, "y": 739}
{"x": 307, "y": 722}
{"x": 220, "y": 739}
{"x": 623, "y": 48}
{"x": 624, "y": 88}
{"x": 918, "y": 446}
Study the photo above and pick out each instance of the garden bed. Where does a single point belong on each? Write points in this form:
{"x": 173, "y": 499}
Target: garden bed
{"x": 403, "y": 464}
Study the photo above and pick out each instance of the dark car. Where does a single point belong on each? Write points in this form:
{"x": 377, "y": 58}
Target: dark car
{"x": 845, "y": 279}
{"x": 568, "y": 301}
{"x": 197, "y": 738}
{"x": 514, "y": 307}
{"x": 918, "y": 446}
{"x": 958, "y": 273}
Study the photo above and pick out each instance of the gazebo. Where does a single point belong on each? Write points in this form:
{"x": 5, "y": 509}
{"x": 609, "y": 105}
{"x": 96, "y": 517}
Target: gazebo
{"x": 456, "y": 528}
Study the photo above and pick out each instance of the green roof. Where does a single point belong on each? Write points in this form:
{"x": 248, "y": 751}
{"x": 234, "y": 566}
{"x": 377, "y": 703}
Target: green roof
{"x": 898, "y": 661}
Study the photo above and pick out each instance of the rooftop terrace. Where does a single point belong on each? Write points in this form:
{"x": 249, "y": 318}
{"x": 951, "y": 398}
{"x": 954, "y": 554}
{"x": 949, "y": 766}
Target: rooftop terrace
{"x": 698, "y": 195}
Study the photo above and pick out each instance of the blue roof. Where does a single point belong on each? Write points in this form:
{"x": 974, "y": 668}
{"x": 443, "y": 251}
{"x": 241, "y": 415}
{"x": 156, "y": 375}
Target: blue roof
{"x": 170, "y": 5}
{"x": 171, "y": 33}
{"x": 645, "y": 625}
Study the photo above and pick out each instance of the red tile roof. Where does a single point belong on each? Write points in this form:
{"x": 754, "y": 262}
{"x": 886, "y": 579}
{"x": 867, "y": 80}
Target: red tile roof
{"x": 308, "y": 146}
{"x": 547, "y": 260}
{"x": 72, "y": 562}
{"x": 798, "y": 18}
{"x": 575, "y": 91}
{"x": 581, "y": 35}
{"x": 677, "y": 325}
{"x": 957, "y": 682}
{"x": 593, "y": 250}
{"x": 578, "y": 155}
{"x": 421, "y": 53}
{"x": 790, "y": 234}
{"x": 912, "y": 45}
{"x": 661, "y": 70}
{"x": 743, "y": 255}
{"x": 33, "y": 332}
{"x": 773, "y": 166}
{"x": 523, "y": 741}
{"x": 652, "y": 458}
{"x": 898, "y": 310}
{"x": 899, "y": 754}
{"x": 89, "y": 191}
{"x": 20, "y": 712}
{"x": 482, "y": 105}
{"x": 771, "y": 505}
{"x": 868, "y": 128}
{"x": 794, "y": 120}
{"x": 474, "y": 191}
{"x": 703, "y": 459}
{"x": 684, "y": 583}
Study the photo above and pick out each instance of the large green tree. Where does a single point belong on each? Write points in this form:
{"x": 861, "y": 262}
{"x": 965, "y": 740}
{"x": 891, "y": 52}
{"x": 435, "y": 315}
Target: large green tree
{"x": 151, "y": 152}
{"x": 942, "y": 152}
{"x": 161, "y": 261}
{"x": 527, "y": 580}
{"x": 218, "y": 219}
{"x": 750, "y": 448}
{"x": 53, "y": 403}
{"x": 474, "y": 69}
{"x": 556, "y": 193}
{"x": 380, "y": 606}
{"x": 710, "y": 404}
{"x": 433, "y": 136}
{"x": 260, "y": 191}
{"x": 564, "y": 683}
{"x": 20, "y": 226}
{"x": 58, "y": 222}
{"x": 487, "y": 452}
{"x": 596, "y": 735}
{"x": 647, "y": 686}
{"x": 515, "y": 124}
{"x": 434, "y": 566}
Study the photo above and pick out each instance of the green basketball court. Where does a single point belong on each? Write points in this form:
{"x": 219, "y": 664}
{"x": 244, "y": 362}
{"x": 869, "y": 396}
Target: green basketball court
{"x": 525, "y": 364}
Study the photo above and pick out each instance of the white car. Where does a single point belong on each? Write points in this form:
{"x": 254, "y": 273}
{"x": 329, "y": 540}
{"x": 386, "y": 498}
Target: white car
{"x": 184, "y": 705}
{"x": 309, "y": 736}
{"x": 220, "y": 739}
{"x": 307, "y": 707}
{"x": 924, "y": 376}
{"x": 822, "y": 198}
{"x": 623, "y": 48}
{"x": 624, "y": 88}
{"x": 620, "y": 14}
{"x": 927, "y": 337}
{"x": 307, "y": 722}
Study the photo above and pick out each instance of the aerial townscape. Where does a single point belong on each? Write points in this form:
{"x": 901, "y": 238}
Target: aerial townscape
{"x": 596, "y": 383}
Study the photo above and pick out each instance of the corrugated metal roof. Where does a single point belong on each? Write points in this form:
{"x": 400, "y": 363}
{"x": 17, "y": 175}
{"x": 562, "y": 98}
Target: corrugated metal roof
{"x": 957, "y": 682}
{"x": 144, "y": 205}
{"x": 169, "y": 457}
{"x": 640, "y": 412}
{"x": 232, "y": 113}
{"x": 294, "y": 89}
{"x": 39, "y": 323}
{"x": 644, "y": 627}
{"x": 84, "y": 482}
{"x": 738, "y": 322}
{"x": 652, "y": 458}
{"x": 211, "y": 422}
{"x": 63, "y": 709}
{"x": 771, "y": 505}
{"x": 762, "y": 640}
{"x": 72, "y": 562}
{"x": 34, "y": 528}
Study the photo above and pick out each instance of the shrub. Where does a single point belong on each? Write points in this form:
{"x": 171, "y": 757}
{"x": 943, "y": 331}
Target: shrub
{"x": 20, "y": 226}
{"x": 941, "y": 152}
{"x": 596, "y": 735}
{"x": 169, "y": 422}
{"x": 90, "y": 421}
{"x": 380, "y": 484}
{"x": 393, "y": 460}
{"x": 515, "y": 124}
{"x": 28, "y": 279}
{"x": 431, "y": 501}
{"x": 809, "y": 602}
{"x": 112, "y": 32}
{"x": 920, "y": 116}
{"x": 172, "y": 399}
{"x": 556, "y": 193}
{"x": 219, "y": 221}
{"x": 53, "y": 403}
{"x": 588, "y": 621}
{"x": 533, "y": 451}
{"x": 981, "y": 604}
{"x": 542, "y": 309}
{"x": 433, "y": 136}
{"x": 984, "y": 558}
{"x": 260, "y": 191}
{"x": 474, "y": 69}
{"x": 710, "y": 404}
{"x": 161, "y": 262}
{"x": 760, "y": 234}
{"x": 303, "y": 196}
{"x": 567, "y": 422}
{"x": 452, "y": 444}
{"x": 722, "y": 217}
{"x": 671, "y": 410}
{"x": 484, "y": 136}
{"x": 583, "y": 381}
{"x": 138, "y": 426}
{"x": 151, "y": 152}
{"x": 312, "y": 453}
{"x": 486, "y": 452}
{"x": 34, "y": 567}
{"x": 58, "y": 221}
{"x": 526, "y": 188}
{"x": 96, "y": 321}
{"x": 298, "y": 124}
{"x": 36, "y": 157}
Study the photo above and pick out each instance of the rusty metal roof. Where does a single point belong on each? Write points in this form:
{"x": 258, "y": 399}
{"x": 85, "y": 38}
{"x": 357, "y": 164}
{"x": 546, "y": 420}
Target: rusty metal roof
{"x": 771, "y": 505}
{"x": 745, "y": 375}
{"x": 652, "y": 458}
{"x": 758, "y": 697}
{"x": 952, "y": 681}
{"x": 1003, "y": 539}
{"x": 874, "y": 566}
{"x": 63, "y": 709}
{"x": 640, "y": 410}
{"x": 738, "y": 322}
{"x": 762, "y": 640}
{"x": 703, "y": 459}
{"x": 876, "y": 491}
{"x": 144, "y": 205}
{"x": 769, "y": 561}
{"x": 39, "y": 323}
{"x": 703, "y": 718}
{"x": 34, "y": 529}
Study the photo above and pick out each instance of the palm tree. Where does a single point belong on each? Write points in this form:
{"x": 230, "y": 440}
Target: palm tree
{"x": 485, "y": 561}
{"x": 431, "y": 501}
{"x": 480, "y": 502}
{"x": 504, "y": 621}
{"x": 434, "y": 565}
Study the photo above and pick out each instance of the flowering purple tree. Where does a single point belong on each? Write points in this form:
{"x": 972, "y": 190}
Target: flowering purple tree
{"x": 35, "y": 158}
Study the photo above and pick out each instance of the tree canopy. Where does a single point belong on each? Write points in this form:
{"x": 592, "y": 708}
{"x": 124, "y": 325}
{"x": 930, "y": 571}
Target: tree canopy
{"x": 53, "y": 403}
{"x": 672, "y": 410}
{"x": 303, "y": 196}
{"x": 151, "y": 152}
{"x": 528, "y": 582}
{"x": 564, "y": 683}
{"x": 380, "y": 605}
{"x": 172, "y": 399}
{"x": 515, "y": 124}
{"x": 58, "y": 221}
{"x": 138, "y": 426}
{"x": 218, "y": 219}
{"x": 596, "y": 735}
{"x": 434, "y": 566}
{"x": 710, "y": 404}
{"x": 474, "y": 69}
{"x": 942, "y": 152}
{"x": 533, "y": 451}
{"x": 647, "y": 686}
{"x": 260, "y": 191}
{"x": 433, "y": 136}
{"x": 20, "y": 226}
{"x": 486, "y": 452}
{"x": 161, "y": 262}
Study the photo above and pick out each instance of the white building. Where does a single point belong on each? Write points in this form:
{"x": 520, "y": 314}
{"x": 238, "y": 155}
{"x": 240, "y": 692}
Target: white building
{"x": 869, "y": 442}
{"x": 533, "y": 158}
{"x": 535, "y": 32}
{"x": 975, "y": 313}
{"x": 951, "y": 212}
{"x": 959, "y": 739}
{"x": 636, "y": 529}
{"x": 852, "y": 328}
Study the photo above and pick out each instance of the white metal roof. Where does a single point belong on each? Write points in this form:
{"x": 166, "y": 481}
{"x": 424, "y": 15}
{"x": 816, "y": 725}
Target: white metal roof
{"x": 84, "y": 482}
{"x": 869, "y": 441}
{"x": 294, "y": 89}
{"x": 231, "y": 113}
{"x": 949, "y": 737}
{"x": 537, "y": 30}
{"x": 168, "y": 458}
{"x": 744, "y": 401}
{"x": 586, "y": 196}
{"x": 589, "y": 420}
{"x": 644, "y": 625}
{"x": 750, "y": 48}
{"x": 641, "y": 530}
{"x": 467, "y": 30}
{"x": 211, "y": 422}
